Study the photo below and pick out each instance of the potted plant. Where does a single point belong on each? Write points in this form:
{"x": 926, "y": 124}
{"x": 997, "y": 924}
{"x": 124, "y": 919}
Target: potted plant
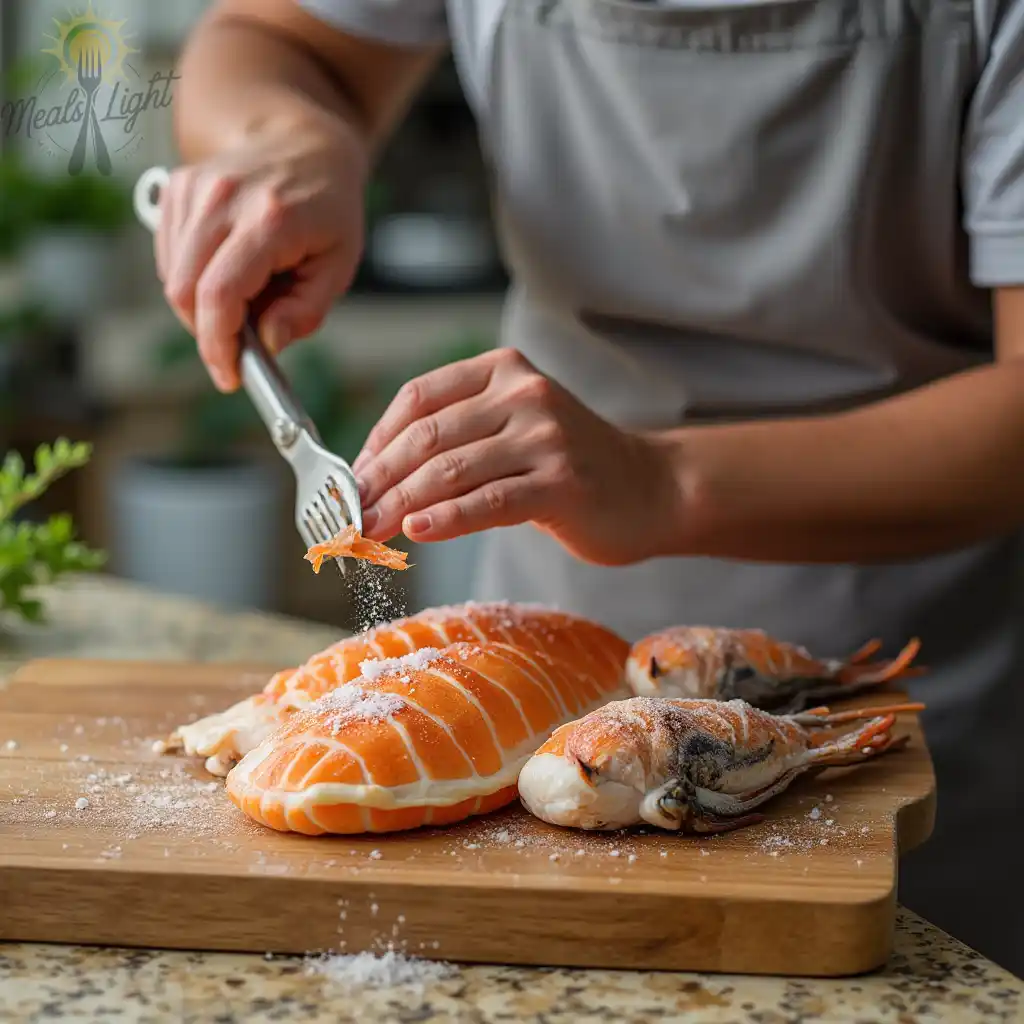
{"x": 68, "y": 229}
{"x": 36, "y": 553}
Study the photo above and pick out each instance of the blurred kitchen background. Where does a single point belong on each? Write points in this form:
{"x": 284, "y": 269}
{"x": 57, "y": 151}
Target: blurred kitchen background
{"x": 183, "y": 489}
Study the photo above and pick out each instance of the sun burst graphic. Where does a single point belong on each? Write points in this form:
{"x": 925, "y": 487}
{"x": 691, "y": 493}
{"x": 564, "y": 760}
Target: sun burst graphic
{"x": 87, "y": 35}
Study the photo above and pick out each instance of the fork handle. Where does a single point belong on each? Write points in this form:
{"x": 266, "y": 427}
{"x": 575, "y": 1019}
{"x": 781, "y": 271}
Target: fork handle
{"x": 270, "y": 392}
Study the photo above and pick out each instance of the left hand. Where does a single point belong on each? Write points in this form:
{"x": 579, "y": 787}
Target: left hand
{"x": 490, "y": 442}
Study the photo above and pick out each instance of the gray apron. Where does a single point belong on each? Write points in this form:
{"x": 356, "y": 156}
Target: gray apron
{"x": 745, "y": 212}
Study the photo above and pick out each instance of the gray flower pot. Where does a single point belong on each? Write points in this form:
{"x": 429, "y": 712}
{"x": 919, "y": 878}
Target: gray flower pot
{"x": 209, "y": 532}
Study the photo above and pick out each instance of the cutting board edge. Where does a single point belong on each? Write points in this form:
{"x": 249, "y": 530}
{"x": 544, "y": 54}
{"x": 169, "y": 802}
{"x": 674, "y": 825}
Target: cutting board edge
{"x": 724, "y": 946}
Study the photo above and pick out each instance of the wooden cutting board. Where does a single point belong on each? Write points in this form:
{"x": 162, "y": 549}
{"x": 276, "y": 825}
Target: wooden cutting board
{"x": 160, "y": 858}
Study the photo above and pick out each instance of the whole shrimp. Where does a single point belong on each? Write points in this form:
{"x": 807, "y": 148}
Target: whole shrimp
{"x": 698, "y": 766}
{"x": 701, "y": 661}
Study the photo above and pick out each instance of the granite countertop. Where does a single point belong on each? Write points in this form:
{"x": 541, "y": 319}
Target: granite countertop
{"x": 930, "y": 977}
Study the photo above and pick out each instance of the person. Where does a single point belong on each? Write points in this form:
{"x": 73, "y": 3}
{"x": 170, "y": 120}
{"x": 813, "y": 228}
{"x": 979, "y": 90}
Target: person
{"x": 762, "y": 361}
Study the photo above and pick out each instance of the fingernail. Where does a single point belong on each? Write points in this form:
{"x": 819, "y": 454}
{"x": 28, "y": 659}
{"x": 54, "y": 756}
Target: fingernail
{"x": 364, "y": 489}
{"x": 419, "y": 523}
{"x": 276, "y": 337}
{"x": 221, "y": 381}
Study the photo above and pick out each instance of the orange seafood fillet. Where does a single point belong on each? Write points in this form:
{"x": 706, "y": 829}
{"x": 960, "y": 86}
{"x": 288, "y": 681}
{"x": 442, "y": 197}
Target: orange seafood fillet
{"x": 225, "y": 737}
{"x": 427, "y": 738}
{"x": 350, "y": 544}
{"x": 691, "y": 764}
{"x": 771, "y": 674}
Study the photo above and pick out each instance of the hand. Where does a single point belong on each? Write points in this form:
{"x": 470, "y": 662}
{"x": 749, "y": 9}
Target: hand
{"x": 288, "y": 201}
{"x": 490, "y": 442}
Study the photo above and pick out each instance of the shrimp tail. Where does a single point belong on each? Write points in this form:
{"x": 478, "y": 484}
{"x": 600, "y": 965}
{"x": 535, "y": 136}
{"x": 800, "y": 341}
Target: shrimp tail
{"x": 858, "y": 672}
{"x": 831, "y": 748}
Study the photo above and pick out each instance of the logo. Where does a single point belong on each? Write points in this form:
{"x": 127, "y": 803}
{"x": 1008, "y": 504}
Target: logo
{"x": 90, "y": 102}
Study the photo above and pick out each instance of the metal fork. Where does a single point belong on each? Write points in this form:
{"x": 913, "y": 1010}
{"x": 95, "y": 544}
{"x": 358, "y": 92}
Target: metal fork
{"x": 327, "y": 495}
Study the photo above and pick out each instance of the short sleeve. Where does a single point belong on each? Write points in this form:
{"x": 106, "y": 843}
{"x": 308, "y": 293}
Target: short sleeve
{"x": 401, "y": 22}
{"x": 993, "y": 153}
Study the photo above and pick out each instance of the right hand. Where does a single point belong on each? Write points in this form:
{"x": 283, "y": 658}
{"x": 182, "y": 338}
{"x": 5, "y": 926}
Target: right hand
{"x": 287, "y": 202}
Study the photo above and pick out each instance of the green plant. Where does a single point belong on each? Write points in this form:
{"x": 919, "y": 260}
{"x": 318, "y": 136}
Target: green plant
{"x": 89, "y": 201}
{"x": 15, "y": 188}
{"x": 32, "y": 554}
{"x": 29, "y": 201}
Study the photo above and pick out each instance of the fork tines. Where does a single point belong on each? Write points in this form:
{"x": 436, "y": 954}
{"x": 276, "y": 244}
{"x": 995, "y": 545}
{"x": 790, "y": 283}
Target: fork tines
{"x": 320, "y": 520}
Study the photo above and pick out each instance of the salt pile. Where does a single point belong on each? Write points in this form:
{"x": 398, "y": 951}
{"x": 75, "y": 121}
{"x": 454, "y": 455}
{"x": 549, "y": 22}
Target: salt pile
{"x": 379, "y": 970}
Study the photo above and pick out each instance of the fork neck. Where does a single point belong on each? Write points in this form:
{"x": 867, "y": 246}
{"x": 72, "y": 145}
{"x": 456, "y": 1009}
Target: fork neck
{"x": 272, "y": 396}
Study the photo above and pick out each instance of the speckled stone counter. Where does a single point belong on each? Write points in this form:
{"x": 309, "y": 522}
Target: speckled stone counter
{"x": 930, "y": 977}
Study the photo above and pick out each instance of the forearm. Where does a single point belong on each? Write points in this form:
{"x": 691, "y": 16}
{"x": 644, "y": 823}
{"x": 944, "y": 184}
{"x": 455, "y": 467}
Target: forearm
{"x": 253, "y": 66}
{"x": 932, "y": 470}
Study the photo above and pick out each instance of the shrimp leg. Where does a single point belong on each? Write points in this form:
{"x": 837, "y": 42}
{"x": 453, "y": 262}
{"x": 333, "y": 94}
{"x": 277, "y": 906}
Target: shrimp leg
{"x": 813, "y": 682}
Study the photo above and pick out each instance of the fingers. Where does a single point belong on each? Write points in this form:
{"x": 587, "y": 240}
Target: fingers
{"x": 424, "y": 396}
{"x": 203, "y": 223}
{"x": 236, "y": 273}
{"x": 450, "y": 474}
{"x": 303, "y": 308}
{"x": 505, "y": 502}
{"x": 433, "y": 435}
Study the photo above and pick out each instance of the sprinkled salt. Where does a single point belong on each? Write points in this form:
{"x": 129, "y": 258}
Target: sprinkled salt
{"x": 50, "y": 814}
{"x": 374, "y": 668}
{"x": 865, "y": 830}
{"x": 388, "y": 970}
{"x": 79, "y": 730}
{"x": 614, "y": 853}
{"x": 375, "y": 855}
{"x": 159, "y": 747}
{"x": 11, "y": 745}
{"x": 553, "y": 856}
{"x": 824, "y": 842}
{"x": 63, "y": 748}
{"x": 376, "y": 596}
{"x": 829, "y": 798}
{"x": 829, "y": 821}
{"x": 351, "y": 703}
{"x": 580, "y": 853}
{"x": 81, "y": 803}
{"x": 815, "y": 813}
{"x": 631, "y": 858}
{"x": 502, "y": 836}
